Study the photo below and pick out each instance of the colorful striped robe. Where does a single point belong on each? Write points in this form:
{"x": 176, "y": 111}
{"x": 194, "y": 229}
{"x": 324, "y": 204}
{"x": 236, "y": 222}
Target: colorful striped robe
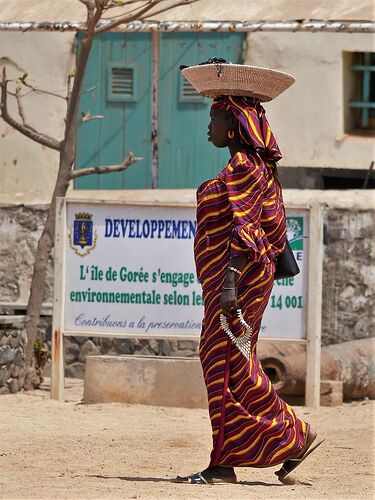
{"x": 241, "y": 212}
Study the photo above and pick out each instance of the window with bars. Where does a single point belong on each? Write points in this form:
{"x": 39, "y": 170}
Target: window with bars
{"x": 362, "y": 93}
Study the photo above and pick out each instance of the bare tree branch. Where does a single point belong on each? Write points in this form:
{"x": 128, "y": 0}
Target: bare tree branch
{"x": 123, "y": 3}
{"x": 73, "y": 102}
{"x": 173, "y": 6}
{"x": 21, "y": 111}
{"x": 41, "y": 91}
{"x": 139, "y": 13}
{"x": 126, "y": 3}
{"x": 120, "y": 3}
{"x": 98, "y": 5}
{"x": 25, "y": 129}
{"x": 131, "y": 15}
{"x": 136, "y": 13}
{"x": 108, "y": 168}
{"x": 90, "y": 8}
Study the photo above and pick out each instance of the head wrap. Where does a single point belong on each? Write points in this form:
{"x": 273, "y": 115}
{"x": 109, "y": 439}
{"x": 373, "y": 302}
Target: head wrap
{"x": 254, "y": 128}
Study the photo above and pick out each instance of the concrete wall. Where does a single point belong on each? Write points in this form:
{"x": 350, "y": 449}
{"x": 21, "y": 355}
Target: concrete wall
{"x": 141, "y": 380}
{"x": 28, "y": 170}
{"x": 308, "y": 119}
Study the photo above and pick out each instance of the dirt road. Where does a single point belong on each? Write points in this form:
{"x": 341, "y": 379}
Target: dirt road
{"x": 70, "y": 450}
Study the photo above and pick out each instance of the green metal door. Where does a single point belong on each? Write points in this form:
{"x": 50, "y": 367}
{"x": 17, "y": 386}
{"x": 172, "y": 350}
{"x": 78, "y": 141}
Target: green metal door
{"x": 186, "y": 158}
{"x": 117, "y": 85}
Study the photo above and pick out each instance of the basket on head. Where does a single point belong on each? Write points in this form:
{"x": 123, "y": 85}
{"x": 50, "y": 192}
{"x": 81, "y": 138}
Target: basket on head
{"x": 215, "y": 79}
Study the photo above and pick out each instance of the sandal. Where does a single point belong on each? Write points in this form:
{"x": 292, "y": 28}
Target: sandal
{"x": 199, "y": 478}
{"x": 290, "y": 464}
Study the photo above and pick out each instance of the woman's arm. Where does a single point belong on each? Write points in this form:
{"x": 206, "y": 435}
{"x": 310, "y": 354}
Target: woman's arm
{"x": 245, "y": 184}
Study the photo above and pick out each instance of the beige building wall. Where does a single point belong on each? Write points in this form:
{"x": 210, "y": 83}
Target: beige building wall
{"x": 308, "y": 119}
{"x": 28, "y": 170}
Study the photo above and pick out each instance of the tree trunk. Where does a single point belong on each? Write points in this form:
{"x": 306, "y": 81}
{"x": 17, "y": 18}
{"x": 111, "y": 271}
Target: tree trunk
{"x": 33, "y": 376}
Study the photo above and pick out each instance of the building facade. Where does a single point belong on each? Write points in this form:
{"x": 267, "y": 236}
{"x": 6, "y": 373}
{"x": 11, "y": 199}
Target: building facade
{"x": 324, "y": 123}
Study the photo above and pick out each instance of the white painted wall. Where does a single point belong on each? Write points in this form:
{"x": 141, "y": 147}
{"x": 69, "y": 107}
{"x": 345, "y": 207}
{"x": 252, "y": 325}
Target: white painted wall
{"x": 308, "y": 119}
{"x": 28, "y": 170}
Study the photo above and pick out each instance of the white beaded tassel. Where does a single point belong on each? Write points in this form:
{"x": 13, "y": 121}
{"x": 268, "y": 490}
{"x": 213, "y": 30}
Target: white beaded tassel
{"x": 243, "y": 343}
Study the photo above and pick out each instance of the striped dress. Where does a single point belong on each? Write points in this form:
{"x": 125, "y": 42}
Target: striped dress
{"x": 241, "y": 211}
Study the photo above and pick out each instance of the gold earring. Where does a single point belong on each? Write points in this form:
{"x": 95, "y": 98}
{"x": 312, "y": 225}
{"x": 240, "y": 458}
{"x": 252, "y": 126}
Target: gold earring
{"x": 230, "y": 134}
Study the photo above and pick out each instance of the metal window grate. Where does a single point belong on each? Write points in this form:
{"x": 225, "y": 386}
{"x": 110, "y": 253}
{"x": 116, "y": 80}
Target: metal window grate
{"x": 121, "y": 83}
{"x": 366, "y": 73}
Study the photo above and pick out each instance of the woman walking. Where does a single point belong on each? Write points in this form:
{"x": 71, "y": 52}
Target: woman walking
{"x": 241, "y": 230}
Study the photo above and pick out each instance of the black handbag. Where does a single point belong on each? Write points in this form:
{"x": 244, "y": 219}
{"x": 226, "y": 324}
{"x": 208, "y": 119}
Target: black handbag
{"x": 286, "y": 264}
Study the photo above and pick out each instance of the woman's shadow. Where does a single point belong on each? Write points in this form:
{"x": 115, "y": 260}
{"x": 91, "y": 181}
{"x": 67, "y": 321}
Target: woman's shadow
{"x": 135, "y": 479}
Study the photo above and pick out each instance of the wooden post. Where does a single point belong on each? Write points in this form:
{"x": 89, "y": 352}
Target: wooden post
{"x": 57, "y": 368}
{"x": 314, "y": 307}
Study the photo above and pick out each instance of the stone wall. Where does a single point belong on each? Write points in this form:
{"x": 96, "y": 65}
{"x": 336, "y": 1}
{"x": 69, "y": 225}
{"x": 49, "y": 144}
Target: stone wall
{"x": 12, "y": 349}
{"x": 348, "y": 276}
{"x": 348, "y": 286}
{"x": 78, "y": 348}
{"x": 20, "y": 230}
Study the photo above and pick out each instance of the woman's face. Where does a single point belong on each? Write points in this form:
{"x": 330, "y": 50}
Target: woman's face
{"x": 219, "y": 127}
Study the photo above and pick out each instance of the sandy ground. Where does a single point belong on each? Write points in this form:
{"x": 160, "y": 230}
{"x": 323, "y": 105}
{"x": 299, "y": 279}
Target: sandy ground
{"x": 70, "y": 450}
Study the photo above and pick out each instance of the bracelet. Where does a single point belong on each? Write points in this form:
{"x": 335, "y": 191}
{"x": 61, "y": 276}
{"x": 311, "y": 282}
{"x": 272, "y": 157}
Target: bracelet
{"x": 229, "y": 288}
{"x": 230, "y": 268}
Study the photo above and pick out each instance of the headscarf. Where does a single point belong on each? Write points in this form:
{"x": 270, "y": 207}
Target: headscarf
{"x": 253, "y": 125}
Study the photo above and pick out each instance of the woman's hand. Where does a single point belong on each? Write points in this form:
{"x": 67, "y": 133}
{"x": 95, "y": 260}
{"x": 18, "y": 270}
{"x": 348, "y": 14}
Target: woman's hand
{"x": 228, "y": 301}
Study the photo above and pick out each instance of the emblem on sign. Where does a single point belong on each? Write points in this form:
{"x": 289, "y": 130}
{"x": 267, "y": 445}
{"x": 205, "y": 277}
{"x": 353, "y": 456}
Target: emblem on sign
{"x": 83, "y": 237}
{"x": 294, "y": 229}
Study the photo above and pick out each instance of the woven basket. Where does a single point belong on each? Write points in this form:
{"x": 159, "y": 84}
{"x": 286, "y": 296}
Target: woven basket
{"x": 213, "y": 80}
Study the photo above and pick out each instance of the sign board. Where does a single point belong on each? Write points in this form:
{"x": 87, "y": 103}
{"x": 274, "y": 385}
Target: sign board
{"x": 130, "y": 269}
{"x": 127, "y": 270}
{"x": 133, "y": 272}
